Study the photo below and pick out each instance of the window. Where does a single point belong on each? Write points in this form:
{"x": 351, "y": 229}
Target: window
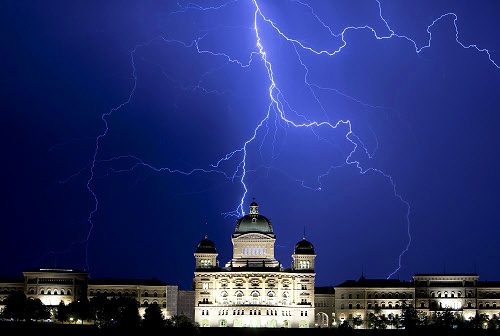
{"x": 155, "y": 294}
{"x": 369, "y": 296}
{"x": 239, "y": 297}
{"x": 350, "y": 296}
{"x": 342, "y": 306}
{"x": 68, "y": 292}
{"x": 42, "y": 292}
{"x": 304, "y": 264}
{"x": 204, "y": 285}
{"x": 357, "y": 296}
{"x": 255, "y": 297}
{"x": 350, "y": 305}
{"x": 303, "y": 287}
{"x": 369, "y": 306}
{"x": 358, "y": 306}
{"x": 422, "y": 305}
{"x": 62, "y": 291}
{"x": 49, "y": 292}
{"x": 146, "y": 294}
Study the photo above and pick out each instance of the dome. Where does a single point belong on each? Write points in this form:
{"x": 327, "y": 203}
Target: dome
{"x": 253, "y": 222}
{"x": 206, "y": 246}
{"x": 304, "y": 247}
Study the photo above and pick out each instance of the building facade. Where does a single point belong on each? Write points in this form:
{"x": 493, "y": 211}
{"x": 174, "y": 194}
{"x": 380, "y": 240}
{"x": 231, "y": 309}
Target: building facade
{"x": 429, "y": 294}
{"x": 52, "y": 286}
{"x": 253, "y": 289}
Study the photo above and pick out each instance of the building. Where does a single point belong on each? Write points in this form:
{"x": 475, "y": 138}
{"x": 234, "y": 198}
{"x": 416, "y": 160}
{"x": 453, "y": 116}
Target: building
{"x": 52, "y": 286}
{"x": 253, "y": 289}
{"x": 429, "y": 294}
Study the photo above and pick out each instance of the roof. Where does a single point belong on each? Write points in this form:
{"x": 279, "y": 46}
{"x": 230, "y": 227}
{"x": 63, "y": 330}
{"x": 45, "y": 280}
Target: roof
{"x": 253, "y": 223}
{"x": 133, "y": 282}
{"x": 488, "y": 284}
{"x": 206, "y": 246}
{"x": 55, "y": 270}
{"x": 445, "y": 274}
{"x": 375, "y": 283}
{"x": 11, "y": 280}
{"x": 304, "y": 247}
{"x": 324, "y": 290}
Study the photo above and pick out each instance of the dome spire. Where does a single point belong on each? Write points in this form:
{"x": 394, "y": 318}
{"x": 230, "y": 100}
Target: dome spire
{"x": 254, "y": 208}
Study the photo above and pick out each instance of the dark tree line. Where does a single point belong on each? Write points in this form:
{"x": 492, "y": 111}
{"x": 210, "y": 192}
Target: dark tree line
{"x": 20, "y": 308}
{"x": 411, "y": 319}
{"x": 119, "y": 312}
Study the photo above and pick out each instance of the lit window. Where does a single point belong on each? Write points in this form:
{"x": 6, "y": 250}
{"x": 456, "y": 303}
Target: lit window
{"x": 204, "y": 285}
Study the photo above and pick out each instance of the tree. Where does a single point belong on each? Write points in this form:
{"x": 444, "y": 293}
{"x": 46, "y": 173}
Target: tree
{"x": 479, "y": 321}
{"x": 36, "y": 310}
{"x": 377, "y": 320}
{"x": 409, "y": 317}
{"x": 102, "y": 310}
{"x": 494, "y": 322}
{"x": 345, "y": 325}
{"x": 445, "y": 319}
{"x": 153, "y": 317}
{"x": 15, "y": 306}
{"x": 357, "y": 321}
{"x": 62, "y": 312}
{"x": 79, "y": 310}
{"x": 183, "y": 322}
{"x": 128, "y": 313}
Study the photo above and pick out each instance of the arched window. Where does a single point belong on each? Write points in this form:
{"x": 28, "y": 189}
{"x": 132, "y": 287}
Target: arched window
{"x": 32, "y": 291}
{"x": 350, "y": 305}
{"x": 239, "y": 297}
{"x": 422, "y": 305}
{"x": 62, "y": 291}
{"x": 358, "y": 306}
{"x": 42, "y": 292}
{"x": 390, "y": 305}
{"x": 271, "y": 297}
{"x": 255, "y": 297}
{"x": 49, "y": 292}
{"x": 55, "y": 292}
{"x": 68, "y": 292}
{"x": 145, "y": 303}
{"x": 146, "y": 294}
{"x": 452, "y": 294}
{"x": 445, "y": 294}
{"x": 439, "y": 294}
{"x": 155, "y": 294}
{"x": 285, "y": 298}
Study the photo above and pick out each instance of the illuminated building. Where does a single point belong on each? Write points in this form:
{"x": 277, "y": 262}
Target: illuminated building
{"x": 52, "y": 286}
{"x": 253, "y": 289}
{"x": 429, "y": 294}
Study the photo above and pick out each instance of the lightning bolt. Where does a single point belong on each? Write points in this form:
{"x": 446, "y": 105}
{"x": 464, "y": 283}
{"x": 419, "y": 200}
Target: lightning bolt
{"x": 277, "y": 107}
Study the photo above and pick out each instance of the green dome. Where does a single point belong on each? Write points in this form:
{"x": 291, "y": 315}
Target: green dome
{"x": 253, "y": 223}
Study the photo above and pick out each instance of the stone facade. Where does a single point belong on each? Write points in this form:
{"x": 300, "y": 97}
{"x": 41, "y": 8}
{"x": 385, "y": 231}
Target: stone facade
{"x": 253, "y": 289}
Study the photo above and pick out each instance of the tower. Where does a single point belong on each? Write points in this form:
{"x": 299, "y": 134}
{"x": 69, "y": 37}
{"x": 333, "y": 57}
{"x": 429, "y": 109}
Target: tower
{"x": 303, "y": 256}
{"x": 206, "y": 254}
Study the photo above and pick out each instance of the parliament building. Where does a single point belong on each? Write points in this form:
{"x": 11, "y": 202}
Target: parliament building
{"x": 253, "y": 289}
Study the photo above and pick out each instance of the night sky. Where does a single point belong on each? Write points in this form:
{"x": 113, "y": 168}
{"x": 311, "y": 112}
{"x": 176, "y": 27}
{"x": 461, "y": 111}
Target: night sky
{"x": 184, "y": 85}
